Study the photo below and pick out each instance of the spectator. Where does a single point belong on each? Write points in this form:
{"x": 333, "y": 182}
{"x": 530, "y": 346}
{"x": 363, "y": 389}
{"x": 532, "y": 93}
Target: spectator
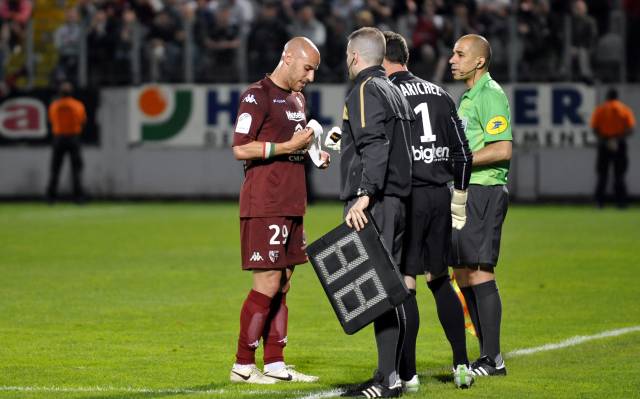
{"x": 305, "y": 24}
{"x": 100, "y": 44}
{"x": 382, "y": 11}
{"x": 492, "y": 21}
{"x": 427, "y": 48}
{"x": 145, "y": 12}
{"x": 462, "y": 18}
{"x": 86, "y": 11}
{"x": 610, "y": 51}
{"x": 241, "y": 13}
{"x": 124, "y": 36}
{"x": 332, "y": 67}
{"x": 266, "y": 39}
{"x": 203, "y": 23}
{"x": 222, "y": 44}
{"x": 166, "y": 37}
{"x": 584, "y": 33}
{"x": 346, "y": 10}
{"x": 534, "y": 35}
{"x": 15, "y": 15}
{"x": 66, "y": 39}
{"x": 363, "y": 18}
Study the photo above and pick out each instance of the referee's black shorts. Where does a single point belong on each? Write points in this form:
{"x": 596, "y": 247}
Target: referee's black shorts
{"x": 389, "y": 214}
{"x": 428, "y": 236}
{"x": 478, "y": 243}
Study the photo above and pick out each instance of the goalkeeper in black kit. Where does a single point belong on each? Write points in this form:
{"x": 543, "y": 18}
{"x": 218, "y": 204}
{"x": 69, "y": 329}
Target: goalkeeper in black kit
{"x": 440, "y": 155}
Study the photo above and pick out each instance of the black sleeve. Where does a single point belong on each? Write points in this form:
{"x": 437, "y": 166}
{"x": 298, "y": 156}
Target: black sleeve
{"x": 460, "y": 152}
{"x": 367, "y": 116}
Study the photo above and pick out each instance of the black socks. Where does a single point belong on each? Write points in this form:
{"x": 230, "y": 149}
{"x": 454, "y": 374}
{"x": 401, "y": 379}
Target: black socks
{"x": 489, "y": 308}
{"x": 389, "y": 329}
{"x": 408, "y": 360}
{"x": 451, "y": 317}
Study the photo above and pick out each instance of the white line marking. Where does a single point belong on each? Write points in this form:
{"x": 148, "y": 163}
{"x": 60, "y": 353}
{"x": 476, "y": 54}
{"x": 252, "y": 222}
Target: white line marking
{"x": 108, "y": 388}
{"x": 323, "y": 394}
{"x": 577, "y": 340}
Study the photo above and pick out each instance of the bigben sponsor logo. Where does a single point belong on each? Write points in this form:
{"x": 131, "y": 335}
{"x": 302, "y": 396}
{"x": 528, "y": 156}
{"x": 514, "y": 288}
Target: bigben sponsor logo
{"x": 430, "y": 154}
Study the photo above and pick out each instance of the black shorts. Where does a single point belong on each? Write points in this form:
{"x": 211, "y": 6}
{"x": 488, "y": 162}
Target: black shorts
{"x": 428, "y": 237}
{"x": 478, "y": 243}
{"x": 389, "y": 214}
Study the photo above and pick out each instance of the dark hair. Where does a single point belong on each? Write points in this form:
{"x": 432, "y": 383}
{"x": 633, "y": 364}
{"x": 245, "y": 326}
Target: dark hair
{"x": 612, "y": 94}
{"x": 397, "y": 50}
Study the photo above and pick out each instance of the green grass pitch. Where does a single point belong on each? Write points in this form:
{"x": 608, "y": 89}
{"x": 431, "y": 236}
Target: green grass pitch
{"x": 142, "y": 301}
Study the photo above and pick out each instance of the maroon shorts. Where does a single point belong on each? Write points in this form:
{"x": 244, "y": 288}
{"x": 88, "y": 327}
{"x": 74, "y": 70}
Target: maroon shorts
{"x": 272, "y": 242}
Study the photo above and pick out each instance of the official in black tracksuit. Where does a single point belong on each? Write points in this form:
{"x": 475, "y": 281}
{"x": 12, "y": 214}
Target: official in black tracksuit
{"x": 441, "y": 155}
{"x": 375, "y": 171}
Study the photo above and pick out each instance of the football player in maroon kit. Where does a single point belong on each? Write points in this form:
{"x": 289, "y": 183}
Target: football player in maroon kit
{"x": 271, "y": 136}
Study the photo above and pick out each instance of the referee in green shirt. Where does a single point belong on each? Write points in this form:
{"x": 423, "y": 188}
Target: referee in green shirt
{"x": 484, "y": 110}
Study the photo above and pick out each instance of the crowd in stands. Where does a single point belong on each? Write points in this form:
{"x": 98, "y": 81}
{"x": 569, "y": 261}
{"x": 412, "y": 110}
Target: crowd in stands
{"x": 231, "y": 40}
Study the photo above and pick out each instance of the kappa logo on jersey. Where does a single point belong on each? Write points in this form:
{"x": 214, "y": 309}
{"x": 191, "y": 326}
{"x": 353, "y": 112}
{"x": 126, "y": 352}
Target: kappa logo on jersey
{"x": 165, "y": 111}
{"x": 249, "y": 98}
{"x": 244, "y": 123}
{"x": 430, "y": 154}
{"x": 279, "y": 101}
{"x": 256, "y": 257}
{"x": 273, "y": 256}
{"x": 497, "y": 125}
{"x": 295, "y": 116}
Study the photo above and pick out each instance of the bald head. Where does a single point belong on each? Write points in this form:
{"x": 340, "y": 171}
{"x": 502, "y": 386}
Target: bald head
{"x": 300, "y": 59}
{"x": 301, "y": 47}
{"x": 370, "y": 45}
{"x": 478, "y": 46}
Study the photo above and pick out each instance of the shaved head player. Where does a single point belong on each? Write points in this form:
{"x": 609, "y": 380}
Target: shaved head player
{"x": 271, "y": 137}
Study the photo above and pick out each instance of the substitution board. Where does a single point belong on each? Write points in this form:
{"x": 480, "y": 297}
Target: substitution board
{"x": 358, "y": 274}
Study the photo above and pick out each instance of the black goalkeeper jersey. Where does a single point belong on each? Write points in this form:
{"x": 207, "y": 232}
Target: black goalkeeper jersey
{"x": 439, "y": 149}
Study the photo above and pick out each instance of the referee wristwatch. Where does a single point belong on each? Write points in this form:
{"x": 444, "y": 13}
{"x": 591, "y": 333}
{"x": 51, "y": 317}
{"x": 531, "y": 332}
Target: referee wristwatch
{"x": 362, "y": 192}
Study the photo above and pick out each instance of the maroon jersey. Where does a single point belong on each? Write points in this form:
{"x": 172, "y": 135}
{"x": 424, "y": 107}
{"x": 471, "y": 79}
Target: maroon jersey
{"x": 275, "y": 186}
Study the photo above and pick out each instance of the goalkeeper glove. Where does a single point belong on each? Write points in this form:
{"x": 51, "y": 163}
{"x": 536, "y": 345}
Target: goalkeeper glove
{"x": 333, "y": 138}
{"x": 458, "y": 209}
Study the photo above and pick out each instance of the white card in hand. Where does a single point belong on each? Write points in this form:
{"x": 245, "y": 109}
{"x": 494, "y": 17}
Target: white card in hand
{"x": 315, "y": 148}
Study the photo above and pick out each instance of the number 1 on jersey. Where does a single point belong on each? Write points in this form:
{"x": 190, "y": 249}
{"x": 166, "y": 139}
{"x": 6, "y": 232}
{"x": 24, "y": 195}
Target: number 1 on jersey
{"x": 427, "y": 136}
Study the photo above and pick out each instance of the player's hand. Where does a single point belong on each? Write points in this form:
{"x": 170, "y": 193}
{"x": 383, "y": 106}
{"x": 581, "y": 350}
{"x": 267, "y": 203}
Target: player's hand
{"x": 300, "y": 140}
{"x": 355, "y": 216}
{"x": 458, "y": 209}
{"x": 325, "y": 158}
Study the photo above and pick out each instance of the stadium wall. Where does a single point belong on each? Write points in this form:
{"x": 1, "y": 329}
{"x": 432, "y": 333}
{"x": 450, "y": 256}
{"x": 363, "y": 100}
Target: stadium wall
{"x": 173, "y": 142}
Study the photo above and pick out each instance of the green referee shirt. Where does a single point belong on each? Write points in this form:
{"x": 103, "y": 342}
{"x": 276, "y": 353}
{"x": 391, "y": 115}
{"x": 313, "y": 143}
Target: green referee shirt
{"x": 484, "y": 110}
